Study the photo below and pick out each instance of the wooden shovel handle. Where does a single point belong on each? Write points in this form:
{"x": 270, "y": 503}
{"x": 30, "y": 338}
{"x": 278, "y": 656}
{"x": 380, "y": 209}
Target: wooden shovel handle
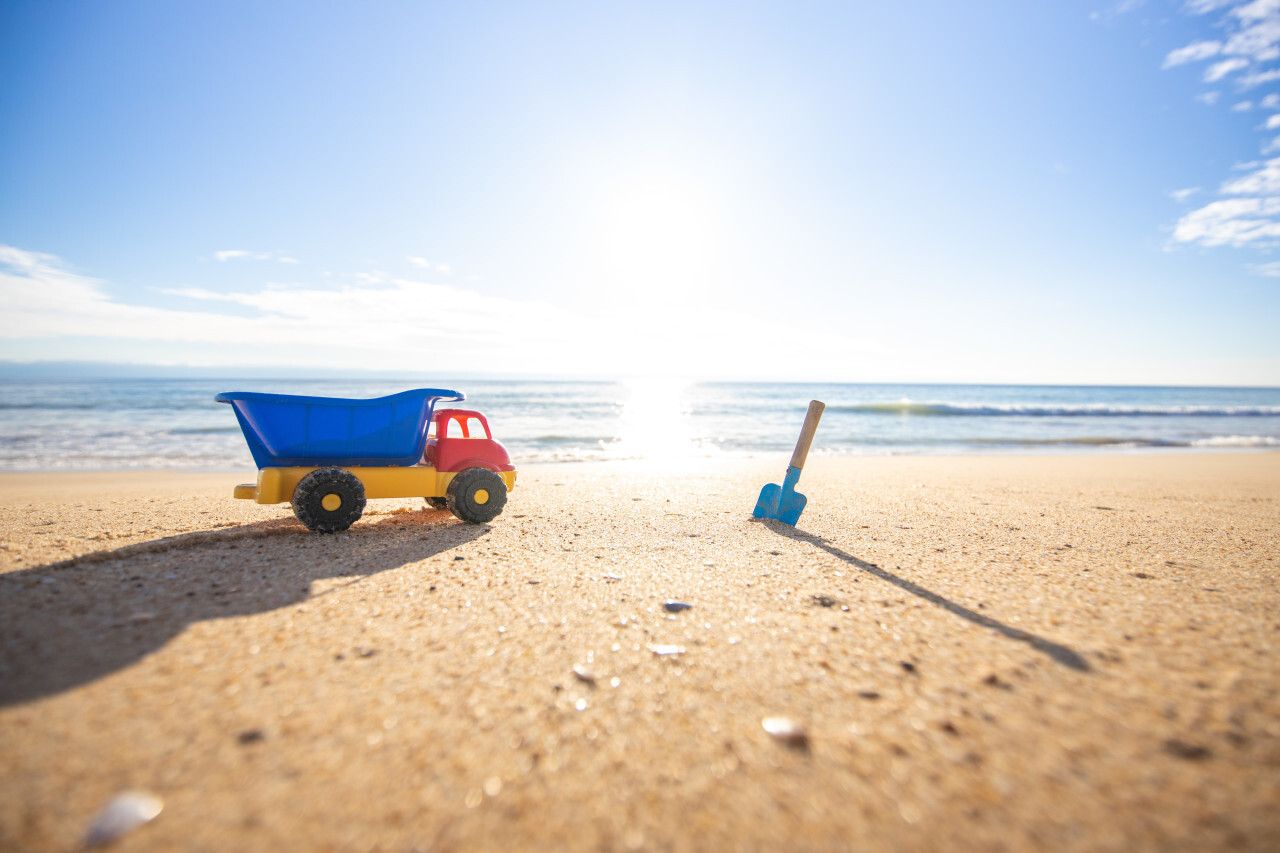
{"x": 806, "y": 433}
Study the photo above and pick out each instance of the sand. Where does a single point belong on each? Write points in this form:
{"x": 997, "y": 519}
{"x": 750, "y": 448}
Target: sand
{"x": 1071, "y": 653}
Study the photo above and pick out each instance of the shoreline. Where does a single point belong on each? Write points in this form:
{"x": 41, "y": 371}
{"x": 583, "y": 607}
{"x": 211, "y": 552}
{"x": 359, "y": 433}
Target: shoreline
{"x": 1066, "y": 651}
{"x": 737, "y": 459}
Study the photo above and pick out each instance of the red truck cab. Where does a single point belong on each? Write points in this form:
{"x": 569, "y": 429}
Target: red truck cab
{"x": 461, "y": 439}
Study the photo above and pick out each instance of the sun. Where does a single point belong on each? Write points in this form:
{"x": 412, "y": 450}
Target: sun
{"x": 657, "y": 235}
{"x": 657, "y": 267}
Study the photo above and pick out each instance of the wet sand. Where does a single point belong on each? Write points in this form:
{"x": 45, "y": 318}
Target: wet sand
{"x": 974, "y": 654}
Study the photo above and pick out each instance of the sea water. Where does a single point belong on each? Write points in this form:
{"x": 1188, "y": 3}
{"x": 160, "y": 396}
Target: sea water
{"x": 113, "y": 424}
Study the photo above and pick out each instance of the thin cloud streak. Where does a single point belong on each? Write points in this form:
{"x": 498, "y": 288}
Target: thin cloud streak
{"x": 1232, "y": 222}
{"x": 242, "y": 254}
{"x": 1192, "y": 53}
{"x": 400, "y": 323}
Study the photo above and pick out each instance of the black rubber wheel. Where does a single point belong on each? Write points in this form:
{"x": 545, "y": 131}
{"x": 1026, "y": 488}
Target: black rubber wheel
{"x": 476, "y": 495}
{"x": 437, "y": 503}
{"x": 329, "y": 500}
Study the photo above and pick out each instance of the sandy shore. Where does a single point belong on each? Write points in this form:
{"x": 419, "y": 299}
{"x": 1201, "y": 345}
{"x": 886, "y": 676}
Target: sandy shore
{"x": 982, "y": 654}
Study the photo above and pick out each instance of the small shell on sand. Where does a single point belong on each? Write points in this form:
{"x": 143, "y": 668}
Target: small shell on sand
{"x": 786, "y": 730}
{"x": 126, "y": 812}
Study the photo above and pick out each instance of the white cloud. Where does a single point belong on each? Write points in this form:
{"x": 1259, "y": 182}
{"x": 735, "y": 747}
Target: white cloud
{"x": 1257, "y": 10}
{"x": 1256, "y": 42}
{"x": 1233, "y": 222}
{"x": 390, "y": 323}
{"x": 1247, "y": 212}
{"x": 1259, "y": 78}
{"x": 39, "y": 297}
{"x": 1123, "y": 7}
{"x": 1201, "y": 7}
{"x": 402, "y": 311}
{"x": 1271, "y": 269}
{"x": 359, "y": 325}
{"x": 1253, "y": 39}
{"x": 1263, "y": 181}
{"x": 1184, "y": 194}
{"x": 241, "y": 254}
{"x": 428, "y": 265}
{"x": 1221, "y": 69}
{"x": 1192, "y": 53}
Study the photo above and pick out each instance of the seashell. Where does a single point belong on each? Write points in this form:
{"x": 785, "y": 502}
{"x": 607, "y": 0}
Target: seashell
{"x": 786, "y": 730}
{"x": 125, "y": 813}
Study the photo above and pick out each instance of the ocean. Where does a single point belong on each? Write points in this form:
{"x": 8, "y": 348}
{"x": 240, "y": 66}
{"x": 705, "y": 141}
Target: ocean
{"x": 120, "y": 424}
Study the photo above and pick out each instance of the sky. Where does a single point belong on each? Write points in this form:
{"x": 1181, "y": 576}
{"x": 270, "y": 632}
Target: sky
{"x": 999, "y": 191}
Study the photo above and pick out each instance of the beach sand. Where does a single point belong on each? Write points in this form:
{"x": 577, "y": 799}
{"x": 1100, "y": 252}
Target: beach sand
{"x": 1063, "y": 653}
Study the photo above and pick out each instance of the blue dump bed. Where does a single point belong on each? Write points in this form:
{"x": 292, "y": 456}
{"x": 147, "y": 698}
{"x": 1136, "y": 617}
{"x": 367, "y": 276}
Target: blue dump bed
{"x": 284, "y": 429}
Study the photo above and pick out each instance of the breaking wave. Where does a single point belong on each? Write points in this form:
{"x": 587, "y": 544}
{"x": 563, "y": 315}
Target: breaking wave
{"x": 1029, "y": 410}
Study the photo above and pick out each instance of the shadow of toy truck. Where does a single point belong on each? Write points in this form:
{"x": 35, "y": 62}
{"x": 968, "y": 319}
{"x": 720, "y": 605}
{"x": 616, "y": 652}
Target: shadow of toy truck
{"x": 327, "y": 455}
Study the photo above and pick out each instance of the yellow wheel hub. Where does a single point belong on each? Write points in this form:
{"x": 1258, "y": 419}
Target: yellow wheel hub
{"x": 331, "y": 502}
{"x": 481, "y": 497}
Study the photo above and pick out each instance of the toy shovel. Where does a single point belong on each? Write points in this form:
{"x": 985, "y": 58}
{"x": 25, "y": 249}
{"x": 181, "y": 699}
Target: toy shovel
{"x": 783, "y": 502}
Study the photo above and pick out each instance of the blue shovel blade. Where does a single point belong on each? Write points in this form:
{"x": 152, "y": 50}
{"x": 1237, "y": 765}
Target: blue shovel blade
{"x": 790, "y": 508}
{"x": 781, "y": 502}
{"x": 767, "y": 504}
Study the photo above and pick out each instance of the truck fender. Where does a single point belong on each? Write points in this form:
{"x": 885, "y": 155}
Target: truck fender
{"x": 475, "y": 463}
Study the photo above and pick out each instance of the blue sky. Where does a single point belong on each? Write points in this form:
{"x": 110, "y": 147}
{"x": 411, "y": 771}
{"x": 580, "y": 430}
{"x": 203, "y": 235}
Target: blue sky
{"x": 994, "y": 192}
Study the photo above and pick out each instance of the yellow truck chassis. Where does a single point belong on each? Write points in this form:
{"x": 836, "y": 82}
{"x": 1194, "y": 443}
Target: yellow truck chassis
{"x": 276, "y": 485}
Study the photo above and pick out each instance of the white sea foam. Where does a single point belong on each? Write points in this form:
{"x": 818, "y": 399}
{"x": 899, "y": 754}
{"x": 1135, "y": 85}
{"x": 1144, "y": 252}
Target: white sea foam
{"x": 1094, "y": 410}
{"x": 1237, "y": 441}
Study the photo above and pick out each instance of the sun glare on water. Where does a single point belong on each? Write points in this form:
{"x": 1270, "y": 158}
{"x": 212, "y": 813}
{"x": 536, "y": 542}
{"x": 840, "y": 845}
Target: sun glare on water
{"x": 655, "y": 422}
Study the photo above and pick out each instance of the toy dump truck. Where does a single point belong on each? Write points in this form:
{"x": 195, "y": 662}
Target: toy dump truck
{"x": 327, "y": 455}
